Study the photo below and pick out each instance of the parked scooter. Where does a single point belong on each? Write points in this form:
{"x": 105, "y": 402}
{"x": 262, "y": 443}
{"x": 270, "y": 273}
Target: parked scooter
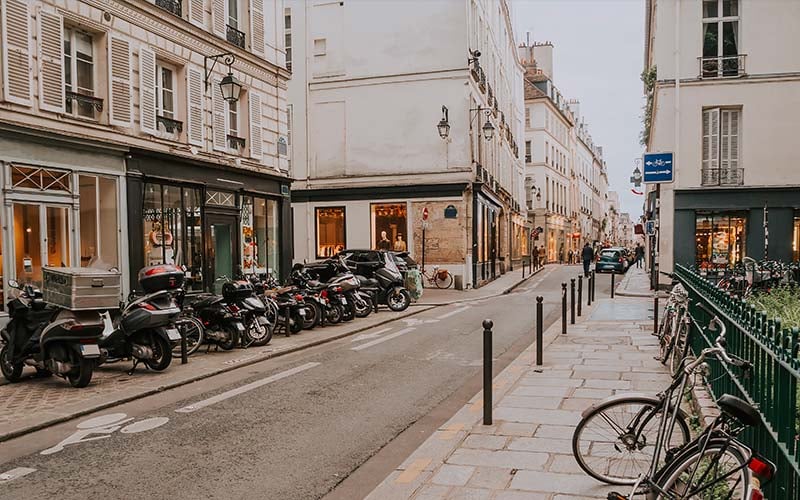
{"x": 223, "y": 322}
{"x": 384, "y": 283}
{"x": 51, "y": 339}
{"x": 290, "y": 304}
{"x": 253, "y": 311}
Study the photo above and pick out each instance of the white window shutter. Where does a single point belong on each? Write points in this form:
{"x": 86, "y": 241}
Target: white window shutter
{"x": 257, "y": 26}
{"x": 196, "y": 13}
{"x": 194, "y": 106}
{"x": 218, "y": 17}
{"x": 220, "y": 132}
{"x": 714, "y": 138}
{"x": 51, "y": 62}
{"x": 16, "y": 52}
{"x": 147, "y": 90}
{"x": 119, "y": 77}
{"x": 256, "y": 144}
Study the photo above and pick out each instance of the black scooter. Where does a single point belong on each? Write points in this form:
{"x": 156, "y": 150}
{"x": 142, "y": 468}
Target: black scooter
{"x": 51, "y": 339}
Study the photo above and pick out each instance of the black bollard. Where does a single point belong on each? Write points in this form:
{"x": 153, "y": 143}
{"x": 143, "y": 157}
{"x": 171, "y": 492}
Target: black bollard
{"x": 184, "y": 348}
{"x": 594, "y": 283}
{"x": 523, "y": 268}
{"x": 655, "y": 313}
{"x": 572, "y": 301}
{"x": 539, "y": 328}
{"x": 563, "y": 308}
{"x": 613, "y": 274}
{"x": 375, "y": 302}
{"x": 487, "y": 371}
{"x": 589, "y": 291}
{"x": 580, "y": 293}
{"x": 288, "y": 316}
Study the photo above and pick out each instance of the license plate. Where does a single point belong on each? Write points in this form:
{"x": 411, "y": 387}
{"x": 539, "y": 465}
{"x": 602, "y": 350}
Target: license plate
{"x": 344, "y": 301}
{"x": 240, "y": 327}
{"x": 302, "y": 312}
{"x": 173, "y": 334}
{"x": 90, "y": 350}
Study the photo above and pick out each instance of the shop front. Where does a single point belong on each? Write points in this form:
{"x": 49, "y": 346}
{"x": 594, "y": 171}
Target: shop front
{"x": 485, "y": 240}
{"x": 59, "y": 206}
{"x": 214, "y": 222}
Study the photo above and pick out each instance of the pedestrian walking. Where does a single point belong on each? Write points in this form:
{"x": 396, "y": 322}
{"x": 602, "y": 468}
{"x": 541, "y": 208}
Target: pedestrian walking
{"x": 535, "y": 257}
{"x": 587, "y": 255}
{"x": 569, "y": 256}
{"x": 639, "y": 254}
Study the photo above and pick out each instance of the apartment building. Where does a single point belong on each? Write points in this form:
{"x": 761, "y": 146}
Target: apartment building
{"x": 120, "y": 148}
{"x": 402, "y": 122}
{"x": 723, "y": 85}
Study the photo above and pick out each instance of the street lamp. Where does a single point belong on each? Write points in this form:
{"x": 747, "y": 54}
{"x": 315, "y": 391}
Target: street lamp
{"x": 488, "y": 130}
{"x": 229, "y": 86}
{"x": 538, "y": 194}
{"x": 444, "y": 124}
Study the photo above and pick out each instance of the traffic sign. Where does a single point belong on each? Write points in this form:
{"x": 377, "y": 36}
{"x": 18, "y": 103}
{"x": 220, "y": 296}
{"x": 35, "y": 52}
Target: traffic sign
{"x": 650, "y": 227}
{"x": 425, "y": 213}
{"x": 658, "y": 168}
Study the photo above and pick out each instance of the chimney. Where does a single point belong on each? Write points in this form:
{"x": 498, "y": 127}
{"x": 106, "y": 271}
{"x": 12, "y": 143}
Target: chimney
{"x": 543, "y": 55}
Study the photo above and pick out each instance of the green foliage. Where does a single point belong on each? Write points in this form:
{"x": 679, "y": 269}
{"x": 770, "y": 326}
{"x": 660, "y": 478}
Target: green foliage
{"x": 649, "y": 80}
{"x": 781, "y": 302}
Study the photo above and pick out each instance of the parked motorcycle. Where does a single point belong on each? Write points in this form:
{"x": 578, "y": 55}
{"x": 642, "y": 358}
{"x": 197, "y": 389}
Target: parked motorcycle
{"x": 258, "y": 329}
{"x": 222, "y": 322}
{"x": 291, "y": 306}
{"x": 51, "y": 339}
{"x": 379, "y": 276}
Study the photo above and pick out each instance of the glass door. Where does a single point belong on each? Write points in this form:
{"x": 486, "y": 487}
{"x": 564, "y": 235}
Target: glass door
{"x": 41, "y": 238}
{"x": 221, "y": 230}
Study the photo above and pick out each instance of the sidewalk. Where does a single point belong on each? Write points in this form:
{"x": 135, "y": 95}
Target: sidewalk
{"x": 503, "y": 284}
{"x": 636, "y": 283}
{"x": 527, "y": 452}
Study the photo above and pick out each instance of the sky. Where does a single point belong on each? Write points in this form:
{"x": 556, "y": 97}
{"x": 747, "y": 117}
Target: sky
{"x": 597, "y": 58}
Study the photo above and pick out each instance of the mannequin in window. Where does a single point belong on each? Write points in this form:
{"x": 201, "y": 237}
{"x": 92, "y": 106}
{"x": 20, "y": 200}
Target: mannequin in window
{"x": 384, "y": 243}
{"x": 400, "y": 245}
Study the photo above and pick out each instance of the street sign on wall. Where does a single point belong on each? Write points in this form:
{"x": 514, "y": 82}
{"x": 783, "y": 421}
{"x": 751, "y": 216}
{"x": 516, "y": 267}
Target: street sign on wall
{"x": 650, "y": 227}
{"x": 658, "y": 168}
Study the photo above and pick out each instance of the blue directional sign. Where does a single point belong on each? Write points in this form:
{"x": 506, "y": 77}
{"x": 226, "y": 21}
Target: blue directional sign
{"x": 658, "y": 168}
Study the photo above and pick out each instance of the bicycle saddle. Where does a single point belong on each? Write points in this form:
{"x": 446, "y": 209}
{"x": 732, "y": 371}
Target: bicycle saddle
{"x": 739, "y": 409}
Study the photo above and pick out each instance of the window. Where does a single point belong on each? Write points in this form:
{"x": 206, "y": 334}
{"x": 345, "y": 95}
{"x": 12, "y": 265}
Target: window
{"x": 527, "y": 116}
{"x": 320, "y": 47}
{"x": 546, "y": 153}
{"x": 795, "y": 241}
{"x": 98, "y": 221}
{"x": 528, "y": 151}
{"x": 330, "y": 231}
{"x": 287, "y": 33}
{"x": 165, "y": 91}
{"x": 720, "y": 239}
{"x": 720, "y": 39}
{"x": 232, "y": 117}
{"x": 389, "y": 223}
{"x": 79, "y": 68}
{"x": 233, "y": 13}
{"x": 720, "y": 147}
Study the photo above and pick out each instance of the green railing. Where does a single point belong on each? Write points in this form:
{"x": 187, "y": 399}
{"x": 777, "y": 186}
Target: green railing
{"x": 771, "y": 384}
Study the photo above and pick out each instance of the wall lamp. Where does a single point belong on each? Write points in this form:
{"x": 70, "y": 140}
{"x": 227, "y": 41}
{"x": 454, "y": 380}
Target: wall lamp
{"x": 444, "y": 124}
{"x": 230, "y": 87}
{"x": 488, "y": 128}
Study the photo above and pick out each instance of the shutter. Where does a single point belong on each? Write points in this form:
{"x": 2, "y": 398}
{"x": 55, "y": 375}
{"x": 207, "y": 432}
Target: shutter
{"x": 218, "y": 17}
{"x": 256, "y": 145}
{"x": 147, "y": 90}
{"x": 51, "y": 62}
{"x": 725, "y": 138}
{"x": 711, "y": 139}
{"x": 220, "y": 132}
{"x": 196, "y": 13}
{"x": 194, "y": 106}
{"x": 257, "y": 26}
{"x": 16, "y": 52}
{"x": 119, "y": 71}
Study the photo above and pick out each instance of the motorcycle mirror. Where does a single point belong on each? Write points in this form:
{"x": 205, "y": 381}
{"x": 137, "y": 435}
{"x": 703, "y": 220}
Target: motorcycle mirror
{"x": 14, "y": 284}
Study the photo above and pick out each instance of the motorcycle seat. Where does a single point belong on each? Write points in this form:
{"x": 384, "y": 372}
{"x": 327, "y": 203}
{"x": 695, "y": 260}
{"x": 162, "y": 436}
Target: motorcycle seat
{"x": 206, "y": 301}
{"x": 366, "y": 282}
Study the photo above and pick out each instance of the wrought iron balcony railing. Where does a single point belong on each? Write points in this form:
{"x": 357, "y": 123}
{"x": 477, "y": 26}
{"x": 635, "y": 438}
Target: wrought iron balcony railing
{"x": 171, "y": 6}
{"x": 527, "y": 158}
{"x": 235, "y": 36}
{"x": 170, "y": 126}
{"x": 722, "y": 67}
{"x": 237, "y": 143}
{"x": 722, "y": 177}
{"x": 87, "y": 100}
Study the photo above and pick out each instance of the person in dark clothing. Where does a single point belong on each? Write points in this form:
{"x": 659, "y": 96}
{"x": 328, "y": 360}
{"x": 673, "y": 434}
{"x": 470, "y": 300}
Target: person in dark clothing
{"x": 639, "y": 255}
{"x": 587, "y": 255}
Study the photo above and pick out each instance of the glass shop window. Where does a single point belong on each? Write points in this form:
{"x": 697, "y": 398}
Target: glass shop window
{"x": 99, "y": 222}
{"x": 720, "y": 239}
{"x": 330, "y": 231}
{"x": 389, "y": 223}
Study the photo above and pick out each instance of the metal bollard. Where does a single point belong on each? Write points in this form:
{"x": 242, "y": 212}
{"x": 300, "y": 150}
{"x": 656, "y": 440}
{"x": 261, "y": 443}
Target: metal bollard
{"x": 580, "y": 293}
{"x": 487, "y": 371}
{"x": 539, "y": 328}
{"x": 613, "y": 274}
{"x": 594, "y": 283}
{"x": 572, "y": 301}
{"x": 288, "y": 315}
{"x": 184, "y": 348}
{"x": 655, "y": 313}
{"x": 523, "y": 268}
{"x": 375, "y": 303}
{"x": 589, "y": 291}
{"x": 563, "y": 308}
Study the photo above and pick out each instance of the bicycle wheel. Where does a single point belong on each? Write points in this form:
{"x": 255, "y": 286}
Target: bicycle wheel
{"x": 718, "y": 471}
{"x": 615, "y": 442}
{"x": 443, "y": 280}
{"x": 665, "y": 335}
{"x": 680, "y": 348}
{"x": 194, "y": 331}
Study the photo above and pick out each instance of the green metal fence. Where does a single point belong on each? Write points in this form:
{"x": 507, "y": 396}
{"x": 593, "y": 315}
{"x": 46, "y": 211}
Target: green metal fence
{"x": 772, "y": 383}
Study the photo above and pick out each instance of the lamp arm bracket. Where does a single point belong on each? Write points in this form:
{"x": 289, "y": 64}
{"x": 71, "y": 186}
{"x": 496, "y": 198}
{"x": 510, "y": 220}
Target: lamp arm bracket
{"x": 228, "y": 58}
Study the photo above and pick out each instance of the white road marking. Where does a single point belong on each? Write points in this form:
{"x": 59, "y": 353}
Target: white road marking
{"x": 15, "y": 474}
{"x": 245, "y": 388}
{"x": 383, "y": 339}
{"x": 453, "y": 312}
{"x": 372, "y": 335}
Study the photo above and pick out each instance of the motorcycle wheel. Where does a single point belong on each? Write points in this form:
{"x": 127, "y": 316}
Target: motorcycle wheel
{"x": 311, "y": 318}
{"x": 334, "y": 314}
{"x": 11, "y": 371}
{"x": 349, "y": 311}
{"x": 232, "y": 340}
{"x": 259, "y": 338}
{"x": 162, "y": 353}
{"x": 296, "y": 324}
{"x": 363, "y": 308}
{"x": 398, "y": 299}
{"x": 84, "y": 373}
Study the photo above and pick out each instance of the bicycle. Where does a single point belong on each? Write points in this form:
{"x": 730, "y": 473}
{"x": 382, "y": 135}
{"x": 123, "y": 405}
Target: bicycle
{"x": 440, "y": 277}
{"x": 673, "y": 328}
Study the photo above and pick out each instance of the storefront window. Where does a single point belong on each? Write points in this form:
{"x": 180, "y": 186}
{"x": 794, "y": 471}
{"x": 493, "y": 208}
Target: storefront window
{"x": 2, "y": 279}
{"x": 389, "y": 223}
{"x": 330, "y": 231}
{"x": 795, "y": 240}
{"x": 194, "y": 239}
{"x": 172, "y": 225}
{"x": 98, "y": 221}
{"x": 273, "y": 238}
{"x": 720, "y": 239}
{"x": 27, "y": 243}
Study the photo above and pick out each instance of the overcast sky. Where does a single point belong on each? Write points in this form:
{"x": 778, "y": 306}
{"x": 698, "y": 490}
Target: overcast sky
{"x": 598, "y": 57}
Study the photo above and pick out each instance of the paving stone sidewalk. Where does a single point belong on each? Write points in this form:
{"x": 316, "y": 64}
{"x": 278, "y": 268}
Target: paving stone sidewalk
{"x": 526, "y": 452}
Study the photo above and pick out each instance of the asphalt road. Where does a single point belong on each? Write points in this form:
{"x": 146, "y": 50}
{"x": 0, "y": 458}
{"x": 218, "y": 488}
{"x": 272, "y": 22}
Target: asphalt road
{"x": 288, "y": 428}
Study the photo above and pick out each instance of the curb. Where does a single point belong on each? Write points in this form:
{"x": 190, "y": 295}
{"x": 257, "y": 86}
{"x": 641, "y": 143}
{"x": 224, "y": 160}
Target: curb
{"x": 102, "y": 406}
{"x": 468, "y": 299}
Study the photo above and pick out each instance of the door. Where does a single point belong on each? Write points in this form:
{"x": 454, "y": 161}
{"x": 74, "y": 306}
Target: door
{"x": 41, "y": 238}
{"x": 221, "y": 248}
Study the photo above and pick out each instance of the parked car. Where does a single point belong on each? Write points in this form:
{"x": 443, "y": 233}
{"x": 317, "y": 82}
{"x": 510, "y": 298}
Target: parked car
{"x": 612, "y": 259}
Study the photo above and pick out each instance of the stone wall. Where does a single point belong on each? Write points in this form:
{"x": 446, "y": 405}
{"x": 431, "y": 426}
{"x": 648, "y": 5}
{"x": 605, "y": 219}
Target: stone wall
{"x": 445, "y": 239}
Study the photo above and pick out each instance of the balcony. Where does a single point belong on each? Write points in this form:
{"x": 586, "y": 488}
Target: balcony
{"x": 171, "y": 6}
{"x": 84, "y": 100}
{"x": 169, "y": 125}
{"x": 722, "y": 177}
{"x": 528, "y": 158}
{"x": 722, "y": 67}
{"x": 235, "y": 36}
{"x": 236, "y": 143}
